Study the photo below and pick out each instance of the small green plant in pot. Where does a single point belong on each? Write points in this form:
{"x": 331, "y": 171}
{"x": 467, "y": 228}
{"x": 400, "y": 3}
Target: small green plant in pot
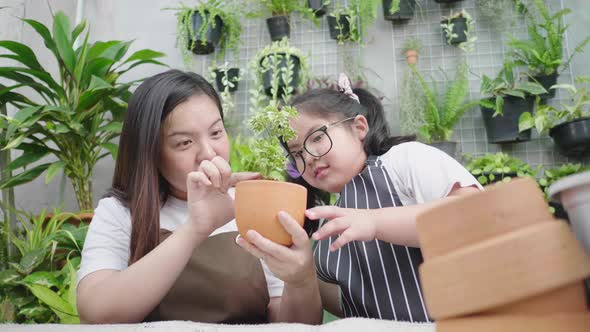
{"x": 509, "y": 99}
{"x": 552, "y": 175}
{"x": 74, "y": 117}
{"x": 202, "y": 27}
{"x": 569, "y": 123}
{"x": 279, "y": 24}
{"x": 226, "y": 79}
{"x": 459, "y": 29}
{"x": 443, "y": 112}
{"x": 542, "y": 52}
{"x": 499, "y": 166}
{"x": 398, "y": 10}
{"x": 258, "y": 202}
{"x": 411, "y": 50}
{"x": 350, "y": 20}
{"x": 279, "y": 69}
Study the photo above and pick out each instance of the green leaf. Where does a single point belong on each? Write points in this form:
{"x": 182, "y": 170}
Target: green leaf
{"x": 26, "y": 159}
{"x": 61, "y": 33}
{"x": 8, "y": 277}
{"x": 112, "y": 148}
{"x": 97, "y": 83}
{"x": 42, "y": 278}
{"x": 31, "y": 260}
{"x": 61, "y": 308}
{"x": 145, "y": 54}
{"x": 78, "y": 30}
{"x": 24, "y": 177}
{"x": 525, "y": 121}
{"x": 532, "y": 88}
{"x": 52, "y": 170}
{"x": 15, "y": 142}
{"x": 25, "y": 113}
{"x": 25, "y": 54}
{"x": 44, "y": 33}
{"x": 71, "y": 296}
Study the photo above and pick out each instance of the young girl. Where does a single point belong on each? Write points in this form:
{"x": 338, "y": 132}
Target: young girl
{"x": 367, "y": 244}
{"x": 162, "y": 245}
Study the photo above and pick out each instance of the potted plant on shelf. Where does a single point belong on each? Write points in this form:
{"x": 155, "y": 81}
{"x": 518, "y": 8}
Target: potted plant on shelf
{"x": 542, "y": 52}
{"x": 509, "y": 99}
{"x": 318, "y": 7}
{"x": 258, "y": 202}
{"x": 459, "y": 29}
{"x": 441, "y": 114}
{"x": 202, "y": 27}
{"x": 398, "y": 10}
{"x": 567, "y": 124}
{"x": 349, "y": 21}
{"x": 499, "y": 166}
{"x": 554, "y": 174}
{"x": 279, "y": 24}
{"x": 411, "y": 49}
{"x": 74, "y": 118}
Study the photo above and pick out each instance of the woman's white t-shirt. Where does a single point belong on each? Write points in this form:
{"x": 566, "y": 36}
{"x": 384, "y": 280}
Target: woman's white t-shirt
{"x": 107, "y": 244}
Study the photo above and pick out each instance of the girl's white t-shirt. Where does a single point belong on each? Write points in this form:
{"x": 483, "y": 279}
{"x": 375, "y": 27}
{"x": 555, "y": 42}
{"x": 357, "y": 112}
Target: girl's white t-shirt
{"x": 422, "y": 173}
{"x": 107, "y": 243}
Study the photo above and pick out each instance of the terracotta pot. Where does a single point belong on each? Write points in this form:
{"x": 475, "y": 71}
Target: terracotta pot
{"x": 75, "y": 220}
{"x": 411, "y": 57}
{"x": 258, "y": 203}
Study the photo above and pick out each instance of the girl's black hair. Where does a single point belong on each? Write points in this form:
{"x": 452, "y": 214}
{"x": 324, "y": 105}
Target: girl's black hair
{"x": 327, "y": 103}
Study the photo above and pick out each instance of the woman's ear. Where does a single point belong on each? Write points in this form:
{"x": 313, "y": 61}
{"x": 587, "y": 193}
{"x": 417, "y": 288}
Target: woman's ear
{"x": 360, "y": 126}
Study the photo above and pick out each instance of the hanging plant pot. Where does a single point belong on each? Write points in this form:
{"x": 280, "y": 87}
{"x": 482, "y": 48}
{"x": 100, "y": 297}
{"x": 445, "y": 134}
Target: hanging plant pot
{"x": 267, "y": 76}
{"x": 459, "y": 29}
{"x": 559, "y": 211}
{"x": 211, "y": 36}
{"x": 258, "y": 203}
{"x": 504, "y": 128}
{"x": 232, "y": 75}
{"x": 278, "y": 27}
{"x": 339, "y": 27}
{"x": 572, "y": 137}
{"x": 546, "y": 81}
{"x": 447, "y": 147}
{"x": 318, "y": 7}
{"x": 405, "y": 12}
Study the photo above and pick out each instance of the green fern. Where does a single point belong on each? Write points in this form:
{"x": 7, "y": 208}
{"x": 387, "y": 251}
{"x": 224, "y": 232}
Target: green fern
{"x": 442, "y": 115}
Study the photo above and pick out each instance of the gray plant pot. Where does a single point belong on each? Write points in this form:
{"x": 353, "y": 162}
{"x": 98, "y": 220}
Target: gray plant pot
{"x": 447, "y": 147}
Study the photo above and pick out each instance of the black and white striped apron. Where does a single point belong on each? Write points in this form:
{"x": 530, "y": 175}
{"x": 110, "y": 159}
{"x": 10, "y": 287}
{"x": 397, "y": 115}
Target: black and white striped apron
{"x": 377, "y": 279}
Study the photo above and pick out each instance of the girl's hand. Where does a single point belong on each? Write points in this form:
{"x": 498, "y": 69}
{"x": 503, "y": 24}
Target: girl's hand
{"x": 349, "y": 224}
{"x": 293, "y": 265}
{"x": 209, "y": 204}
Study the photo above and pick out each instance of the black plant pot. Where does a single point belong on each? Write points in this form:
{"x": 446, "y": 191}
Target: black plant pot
{"x": 278, "y": 27}
{"x": 267, "y": 76}
{"x": 447, "y": 147}
{"x": 318, "y": 7}
{"x": 232, "y": 74}
{"x": 212, "y": 35}
{"x": 459, "y": 29}
{"x": 405, "y": 12}
{"x": 573, "y": 137}
{"x": 335, "y": 28}
{"x": 504, "y": 128}
{"x": 547, "y": 81}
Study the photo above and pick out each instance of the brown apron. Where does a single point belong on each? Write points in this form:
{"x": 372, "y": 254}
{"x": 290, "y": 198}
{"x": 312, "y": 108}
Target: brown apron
{"x": 221, "y": 283}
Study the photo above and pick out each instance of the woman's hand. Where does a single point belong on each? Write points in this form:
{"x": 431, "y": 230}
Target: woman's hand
{"x": 209, "y": 204}
{"x": 349, "y": 224}
{"x": 294, "y": 265}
